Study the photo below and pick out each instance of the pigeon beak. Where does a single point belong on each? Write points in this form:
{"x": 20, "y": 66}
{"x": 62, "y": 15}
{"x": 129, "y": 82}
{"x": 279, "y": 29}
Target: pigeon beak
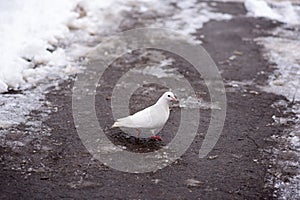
{"x": 174, "y": 98}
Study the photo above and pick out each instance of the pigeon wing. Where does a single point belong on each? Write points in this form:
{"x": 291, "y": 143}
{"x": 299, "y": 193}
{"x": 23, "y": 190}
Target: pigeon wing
{"x": 141, "y": 119}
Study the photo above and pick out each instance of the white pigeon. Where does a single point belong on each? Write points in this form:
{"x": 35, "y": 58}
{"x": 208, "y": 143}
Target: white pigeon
{"x": 154, "y": 117}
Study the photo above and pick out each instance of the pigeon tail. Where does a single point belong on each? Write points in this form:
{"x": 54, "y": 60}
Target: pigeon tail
{"x": 115, "y": 125}
{"x": 126, "y": 121}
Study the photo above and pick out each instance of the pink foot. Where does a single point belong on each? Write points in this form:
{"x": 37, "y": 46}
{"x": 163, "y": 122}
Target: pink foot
{"x": 156, "y": 137}
{"x": 138, "y": 133}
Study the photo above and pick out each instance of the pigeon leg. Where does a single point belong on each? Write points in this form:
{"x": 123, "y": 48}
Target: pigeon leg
{"x": 138, "y": 133}
{"x": 155, "y": 137}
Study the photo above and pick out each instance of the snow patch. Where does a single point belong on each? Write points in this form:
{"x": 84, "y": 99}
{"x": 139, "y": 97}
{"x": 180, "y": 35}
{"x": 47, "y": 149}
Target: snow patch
{"x": 195, "y": 102}
{"x": 35, "y": 36}
{"x": 27, "y": 35}
{"x": 280, "y": 11}
{"x": 162, "y": 70}
{"x": 284, "y": 53}
{"x": 191, "y": 16}
{"x": 42, "y": 43}
{"x": 282, "y": 49}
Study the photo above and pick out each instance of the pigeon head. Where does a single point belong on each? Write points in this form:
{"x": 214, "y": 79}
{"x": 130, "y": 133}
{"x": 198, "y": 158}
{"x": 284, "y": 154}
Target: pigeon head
{"x": 169, "y": 96}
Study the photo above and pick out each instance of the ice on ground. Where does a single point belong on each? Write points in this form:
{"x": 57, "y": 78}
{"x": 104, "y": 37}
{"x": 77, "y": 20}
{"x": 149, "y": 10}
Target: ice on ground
{"x": 195, "y": 102}
{"x": 162, "y": 70}
{"x": 287, "y": 168}
{"x": 280, "y": 11}
{"x": 284, "y": 53}
{"x": 22, "y": 103}
{"x": 189, "y": 17}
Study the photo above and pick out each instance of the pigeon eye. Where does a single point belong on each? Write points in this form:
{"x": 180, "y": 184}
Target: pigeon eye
{"x": 169, "y": 96}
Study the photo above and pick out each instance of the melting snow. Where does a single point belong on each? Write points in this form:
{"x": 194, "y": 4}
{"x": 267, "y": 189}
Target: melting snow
{"x": 282, "y": 50}
{"x": 284, "y": 53}
{"x": 162, "y": 70}
{"x": 191, "y": 16}
{"x": 195, "y": 102}
{"x": 281, "y": 11}
{"x": 42, "y": 43}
